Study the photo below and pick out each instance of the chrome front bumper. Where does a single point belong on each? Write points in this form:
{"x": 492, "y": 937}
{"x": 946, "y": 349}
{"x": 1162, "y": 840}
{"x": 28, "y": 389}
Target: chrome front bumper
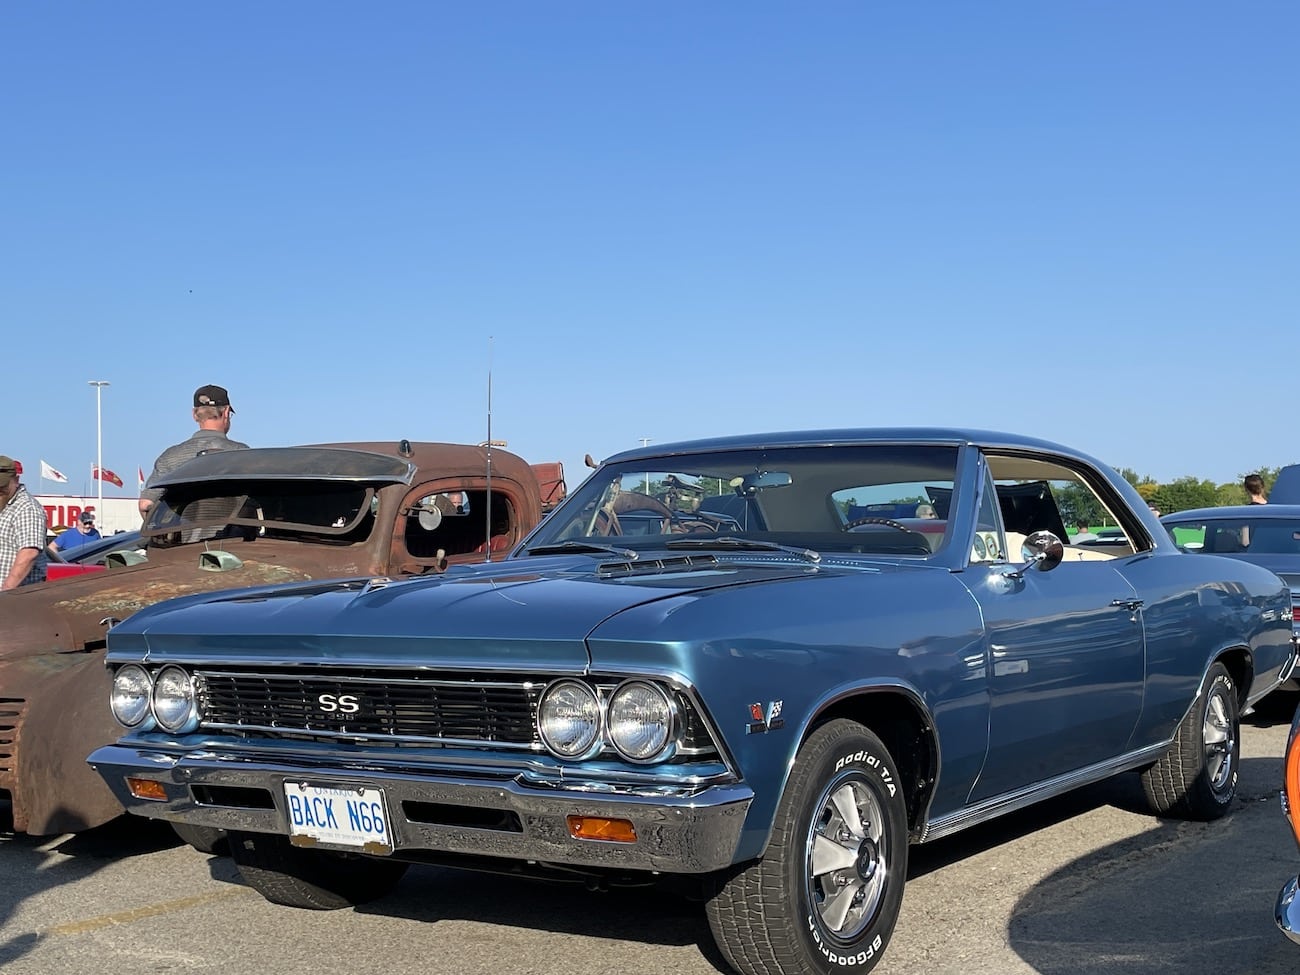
{"x": 1287, "y": 912}
{"x": 691, "y": 829}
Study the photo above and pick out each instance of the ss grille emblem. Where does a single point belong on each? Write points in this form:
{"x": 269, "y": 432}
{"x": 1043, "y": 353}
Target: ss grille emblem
{"x": 339, "y": 703}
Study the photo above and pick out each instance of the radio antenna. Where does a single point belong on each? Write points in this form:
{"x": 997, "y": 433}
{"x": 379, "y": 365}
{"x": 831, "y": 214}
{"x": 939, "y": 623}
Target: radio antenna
{"x": 487, "y": 547}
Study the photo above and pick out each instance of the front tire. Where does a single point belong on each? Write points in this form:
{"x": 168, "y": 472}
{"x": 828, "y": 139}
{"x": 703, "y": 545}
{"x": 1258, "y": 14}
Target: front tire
{"x": 317, "y": 880}
{"x": 826, "y": 895}
{"x": 1197, "y": 777}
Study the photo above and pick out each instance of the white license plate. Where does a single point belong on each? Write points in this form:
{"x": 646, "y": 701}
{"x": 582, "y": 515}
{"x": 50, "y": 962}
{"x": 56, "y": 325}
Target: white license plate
{"x": 338, "y": 815}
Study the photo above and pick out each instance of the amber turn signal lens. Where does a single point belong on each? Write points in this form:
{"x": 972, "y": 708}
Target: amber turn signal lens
{"x": 147, "y": 789}
{"x": 600, "y": 828}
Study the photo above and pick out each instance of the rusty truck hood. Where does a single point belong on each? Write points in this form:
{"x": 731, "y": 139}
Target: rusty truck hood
{"x": 69, "y": 615}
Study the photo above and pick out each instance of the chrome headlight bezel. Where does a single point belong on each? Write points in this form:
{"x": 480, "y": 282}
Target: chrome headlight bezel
{"x": 140, "y": 715}
{"x": 666, "y": 725}
{"x": 174, "y": 701}
{"x": 581, "y": 695}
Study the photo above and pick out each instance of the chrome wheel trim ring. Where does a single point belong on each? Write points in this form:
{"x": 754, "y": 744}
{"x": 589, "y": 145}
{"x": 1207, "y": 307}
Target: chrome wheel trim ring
{"x": 846, "y": 858}
{"x": 1219, "y": 739}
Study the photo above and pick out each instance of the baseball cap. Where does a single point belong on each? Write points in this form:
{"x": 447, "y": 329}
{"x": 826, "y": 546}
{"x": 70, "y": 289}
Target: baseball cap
{"x": 86, "y": 517}
{"x": 212, "y": 396}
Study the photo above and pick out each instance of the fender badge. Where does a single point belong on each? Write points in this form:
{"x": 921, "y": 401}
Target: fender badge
{"x": 761, "y": 722}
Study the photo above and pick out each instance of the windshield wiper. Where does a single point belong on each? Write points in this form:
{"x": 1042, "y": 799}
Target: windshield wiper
{"x": 751, "y": 544}
{"x": 573, "y": 545}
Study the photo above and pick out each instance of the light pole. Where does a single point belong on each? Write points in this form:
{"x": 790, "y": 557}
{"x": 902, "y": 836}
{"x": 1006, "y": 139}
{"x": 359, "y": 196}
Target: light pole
{"x": 644, "y": 441}
{"x": 99, "y": 385}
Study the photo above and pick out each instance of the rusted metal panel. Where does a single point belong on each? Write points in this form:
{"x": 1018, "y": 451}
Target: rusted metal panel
{"x": 53, "y": 684}
{"x": 550, "y": 482}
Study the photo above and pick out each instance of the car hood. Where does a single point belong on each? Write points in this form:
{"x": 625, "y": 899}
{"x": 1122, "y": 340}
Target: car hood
{"x": 68, "y": 614}
{"x": 525, "y": 614}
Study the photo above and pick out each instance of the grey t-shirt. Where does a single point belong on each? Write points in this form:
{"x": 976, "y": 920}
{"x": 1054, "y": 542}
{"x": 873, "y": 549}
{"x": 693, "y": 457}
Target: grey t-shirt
{"x": 177, "y": 454}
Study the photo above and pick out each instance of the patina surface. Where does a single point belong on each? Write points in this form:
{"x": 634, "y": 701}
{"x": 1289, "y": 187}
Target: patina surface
{"x": 52, "y": 636}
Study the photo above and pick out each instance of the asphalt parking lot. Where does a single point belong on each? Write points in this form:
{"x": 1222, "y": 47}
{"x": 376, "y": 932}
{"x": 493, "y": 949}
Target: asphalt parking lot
{"x": 1083, "y": 885}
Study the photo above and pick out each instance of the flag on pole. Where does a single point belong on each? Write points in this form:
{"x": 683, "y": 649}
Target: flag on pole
{"x": 139, "y": 477}
{"x": 104, "y": 474}
{"x": 50, "y": 474}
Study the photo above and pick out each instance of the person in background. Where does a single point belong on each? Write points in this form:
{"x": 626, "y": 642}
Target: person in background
{"x": 212, "y": 412}
{"x": 1082, "y": 534}
{"x": 79, "y": 534}
{"x": 22, "y": 530}
{"x": 1254, "y": 485}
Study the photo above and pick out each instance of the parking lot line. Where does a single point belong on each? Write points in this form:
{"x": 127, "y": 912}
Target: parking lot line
{"x": 151, "y": 910}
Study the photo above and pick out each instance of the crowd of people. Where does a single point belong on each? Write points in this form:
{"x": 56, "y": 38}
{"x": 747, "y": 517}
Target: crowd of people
{"x": 24, "y": 551}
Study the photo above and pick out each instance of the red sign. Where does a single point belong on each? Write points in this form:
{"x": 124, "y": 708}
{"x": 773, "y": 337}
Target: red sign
{"x": 65, "y": 514}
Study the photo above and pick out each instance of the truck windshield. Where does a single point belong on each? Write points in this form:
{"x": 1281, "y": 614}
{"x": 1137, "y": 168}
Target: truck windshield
{"x": 326, "y": 510}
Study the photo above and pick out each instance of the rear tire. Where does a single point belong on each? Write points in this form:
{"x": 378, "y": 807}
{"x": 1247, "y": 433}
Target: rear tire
{"x": 317, "y": 880}
{"x": 1197, "y": 777}
{"x": 826, "y": 895}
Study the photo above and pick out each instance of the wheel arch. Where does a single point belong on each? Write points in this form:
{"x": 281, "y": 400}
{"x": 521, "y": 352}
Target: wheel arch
{"x": 1240, "y": 663}
{"x": 898, "y": 716}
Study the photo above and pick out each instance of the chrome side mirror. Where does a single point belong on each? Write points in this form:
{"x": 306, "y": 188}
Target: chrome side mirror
{"x": 1042, "y": 551}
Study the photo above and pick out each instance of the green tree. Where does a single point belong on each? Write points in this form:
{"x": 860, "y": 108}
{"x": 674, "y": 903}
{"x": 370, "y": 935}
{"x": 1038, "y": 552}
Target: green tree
{"x": 1184, "y": 493}
{"x": 1078, "y": 506}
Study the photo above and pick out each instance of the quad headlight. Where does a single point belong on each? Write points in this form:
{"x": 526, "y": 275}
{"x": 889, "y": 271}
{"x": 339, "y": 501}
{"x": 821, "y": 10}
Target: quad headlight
{"x": 569, "y": 719}
{"x": 642, "y": 720}
{"x": 638, "y": 718}
{"x": 130, "y": 696}
{"x": 174, "y": 705}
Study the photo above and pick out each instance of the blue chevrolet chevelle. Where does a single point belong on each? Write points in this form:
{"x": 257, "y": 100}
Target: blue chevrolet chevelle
{"x": 764, "y": 666}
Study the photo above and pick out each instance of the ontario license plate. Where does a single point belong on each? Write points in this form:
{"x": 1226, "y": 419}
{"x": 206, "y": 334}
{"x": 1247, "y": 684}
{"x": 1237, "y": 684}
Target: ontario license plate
{"x": 338, "y": 815}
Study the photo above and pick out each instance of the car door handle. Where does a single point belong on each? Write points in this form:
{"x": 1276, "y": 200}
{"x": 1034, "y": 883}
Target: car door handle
{"x": 1132, "y": 605}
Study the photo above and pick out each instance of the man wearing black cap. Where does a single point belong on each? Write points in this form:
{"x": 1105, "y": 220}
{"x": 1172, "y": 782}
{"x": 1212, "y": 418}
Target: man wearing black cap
{"x": 212, "y": 412}
{"x": 22, "y": 530}
{"x": 79, "y": 534}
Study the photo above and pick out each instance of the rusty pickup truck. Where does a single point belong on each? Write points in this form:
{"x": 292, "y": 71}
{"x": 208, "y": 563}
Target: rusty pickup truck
{"x": 228, "y": 520}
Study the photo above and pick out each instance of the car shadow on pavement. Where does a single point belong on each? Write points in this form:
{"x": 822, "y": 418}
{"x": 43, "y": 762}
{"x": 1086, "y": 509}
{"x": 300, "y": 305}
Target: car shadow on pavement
{"x": 431, "y": 894}
{"x": 1182, "y": 896}
{"x": 1277, "y": 708}
{"x": 38, "y": 863}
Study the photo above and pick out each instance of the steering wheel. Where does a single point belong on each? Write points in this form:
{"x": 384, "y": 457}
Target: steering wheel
{"x": 916, "y": 539}
{"x": 605, "y": 522}
{"x": 857, "y": 522}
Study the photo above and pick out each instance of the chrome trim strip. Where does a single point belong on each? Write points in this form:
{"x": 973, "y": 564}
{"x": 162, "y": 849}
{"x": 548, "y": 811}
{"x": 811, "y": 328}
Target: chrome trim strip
{"x": 299, "y": 732}
{"x": 411, "y": 681}
{"x": 1009, "y": 802}
{"x": 290, "y": 664}
{"x": 1289, "y": 668}
{"x": 1287, "y": 911}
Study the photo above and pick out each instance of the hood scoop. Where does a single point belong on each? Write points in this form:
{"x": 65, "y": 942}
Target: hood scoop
{"x": 219, "y": 561}
{"x": 652, "y": 567}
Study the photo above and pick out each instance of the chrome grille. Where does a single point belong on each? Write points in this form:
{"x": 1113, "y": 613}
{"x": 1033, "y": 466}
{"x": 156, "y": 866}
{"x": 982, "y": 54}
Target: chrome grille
{"x": 395, "y": 708}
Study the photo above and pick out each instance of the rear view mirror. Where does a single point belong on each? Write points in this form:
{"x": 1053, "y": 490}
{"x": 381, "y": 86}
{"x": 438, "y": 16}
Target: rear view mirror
{"x": 1041, "y": 550}
{"x": 751, "y": 484}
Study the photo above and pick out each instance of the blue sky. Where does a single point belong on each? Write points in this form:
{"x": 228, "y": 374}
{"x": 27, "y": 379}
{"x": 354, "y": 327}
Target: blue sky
{"x": 1071, "y": 220}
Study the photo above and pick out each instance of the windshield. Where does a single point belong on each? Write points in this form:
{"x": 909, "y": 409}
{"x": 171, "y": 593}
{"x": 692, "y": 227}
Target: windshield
{"x": 325, "y": 510}
{"x": 887, "y": 499}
